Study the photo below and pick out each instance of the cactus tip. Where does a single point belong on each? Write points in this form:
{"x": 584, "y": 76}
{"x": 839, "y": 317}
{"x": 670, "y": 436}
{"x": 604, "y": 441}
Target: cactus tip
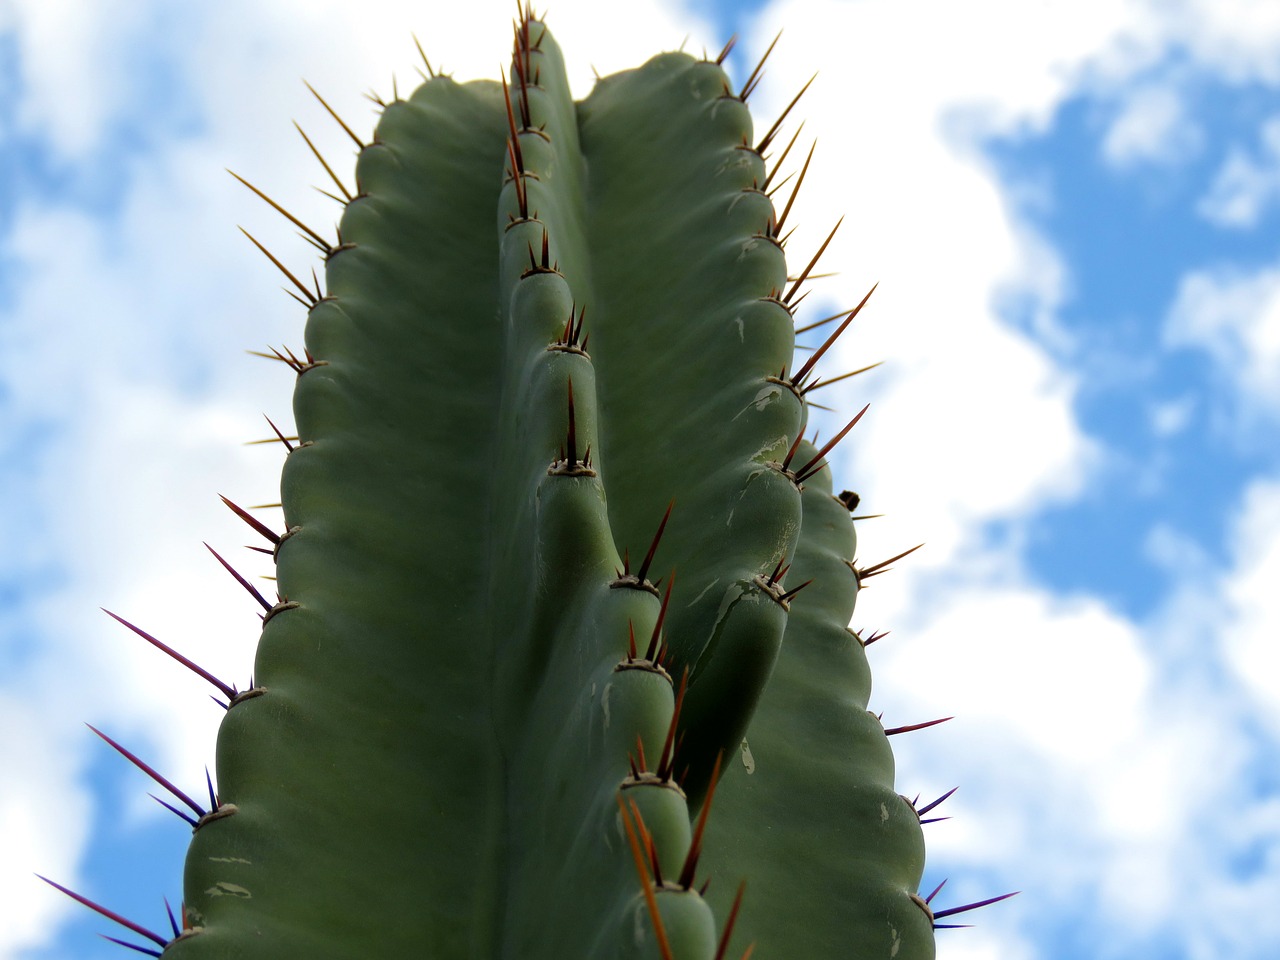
{"x": 893, "y": 731}
{"x": 109, "y": 914}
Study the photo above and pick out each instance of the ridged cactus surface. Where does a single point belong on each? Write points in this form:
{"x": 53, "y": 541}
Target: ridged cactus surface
{"x": 540, "y": 663}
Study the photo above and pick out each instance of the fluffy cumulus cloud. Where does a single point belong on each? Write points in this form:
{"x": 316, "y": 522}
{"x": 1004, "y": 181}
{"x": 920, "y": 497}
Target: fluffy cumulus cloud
{"x": 1247, "y": 183}
{"x": 1233, "y": 317}
{"x": 1252, "y": 610}
{"x": 1151, "y": 125}
{"x": 1098, "y": 744}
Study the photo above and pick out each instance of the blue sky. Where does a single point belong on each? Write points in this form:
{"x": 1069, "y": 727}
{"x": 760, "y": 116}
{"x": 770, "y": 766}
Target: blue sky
{"x": 1072, "y": 218}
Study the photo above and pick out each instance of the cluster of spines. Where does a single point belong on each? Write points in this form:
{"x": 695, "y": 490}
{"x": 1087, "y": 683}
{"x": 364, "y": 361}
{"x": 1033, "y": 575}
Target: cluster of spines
{"x": 649, "y": 869}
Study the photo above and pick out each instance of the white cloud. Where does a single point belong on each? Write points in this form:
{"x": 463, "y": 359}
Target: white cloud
{"x": 1171, "y": 417}
{"x": 1250, "y": 633}
{"x": 1106, "y": 766}
{"x": 1151, "y": 126}
{"x": 1245, "y": 186}
{"x": 1235, "y": 38}
{"x": 44, "y": 816}
{"x": 1234, "y": 317}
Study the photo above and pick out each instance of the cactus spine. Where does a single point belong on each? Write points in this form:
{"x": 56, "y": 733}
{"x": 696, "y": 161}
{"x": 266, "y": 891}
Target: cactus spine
{"x": 479, "y": 727}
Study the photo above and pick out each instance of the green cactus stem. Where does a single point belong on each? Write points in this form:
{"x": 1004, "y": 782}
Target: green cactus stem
{"x": 554, "y": 337}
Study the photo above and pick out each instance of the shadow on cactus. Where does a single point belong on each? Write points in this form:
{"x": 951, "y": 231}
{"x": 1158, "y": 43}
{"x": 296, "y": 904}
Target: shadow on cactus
{"x": 555, "y": 337}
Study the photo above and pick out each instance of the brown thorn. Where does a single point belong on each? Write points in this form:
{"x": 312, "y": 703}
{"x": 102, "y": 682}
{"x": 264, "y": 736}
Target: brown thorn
{"x": 327, "y": 169}
{"x": 571, "y": 457}
{"x": 792, "y": 307}
{"x": 526, "y": 111}
{"x": 804, "y": 274}
{"x": 763, "y": 145}
{"x": 973, "y": 906}
{"x": 517, "y": 178}
{"x": 826, "y": 344}
{"x": 864, "y": 572}
{"x": 320, "y": 247}
{"x": 319, "y": 240}
{"x": 651, "y": 650}
{"x": 777, "y": 225}
{"x": 660, "y": 932}
{"x": 422, "y": 54}
{"x": 733, "y": 913}
{"x": 813, "y": 466}
{"x": 514, "y": 138}
{"x": 820, "y": 276}
{"x": 310, "y": 300}
{"x": 820, "y": 383}
{"x": 790, "y": 594}
{"x": 666, "y": 762}
{"x": 644, "y": 764}
{"x": 257, "y": 525}
{"x": 283, "y": 438}
{"x": 149, "y": 771}
{"x": 695, "y": 845}
{"x": 786, "y": 463}
{"x": 749, "y": 85}
{"x": 274, "y": 355}
{"x": 929, "y": 806}
{"x": 650, "y": 848}
{"x": 781, "y": 157}
{"x": 653, "y": 547}
{"x": 631, "y": 638}
{"x": 893, "y": 731}
{"x": 778, "y": 186}
{"x": 728, "y": 47}
{"x": 350, "y": 133}
{"x": 109, "y": 914}
{"x": 195, "y": 668}
{"x": 331, "y": 196}
{"x": 820, "y": 323}
{"x": 253, "y": 591}
{"x": 878, "y": 635}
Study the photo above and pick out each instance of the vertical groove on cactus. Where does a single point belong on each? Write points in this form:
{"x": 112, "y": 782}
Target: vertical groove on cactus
{"x": 453, "y": 745}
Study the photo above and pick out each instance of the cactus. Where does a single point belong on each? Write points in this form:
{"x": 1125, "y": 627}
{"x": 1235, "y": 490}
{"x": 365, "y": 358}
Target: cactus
{"x": 554, "y": 338}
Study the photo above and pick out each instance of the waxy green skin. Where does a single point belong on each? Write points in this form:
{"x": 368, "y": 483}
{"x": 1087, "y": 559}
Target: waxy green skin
{"x": 445, "y": 708}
